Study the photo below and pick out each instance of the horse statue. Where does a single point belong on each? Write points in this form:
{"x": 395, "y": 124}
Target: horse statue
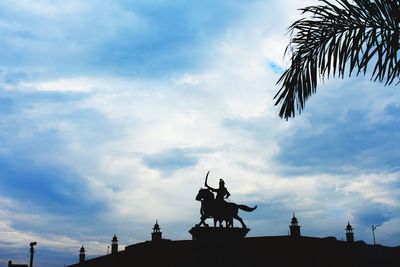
{"x": 219, "y": 210}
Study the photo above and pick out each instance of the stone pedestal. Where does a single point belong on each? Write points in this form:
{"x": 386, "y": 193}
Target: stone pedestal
{"x": 219, "y": 246}
{"x": 218, "y": 233}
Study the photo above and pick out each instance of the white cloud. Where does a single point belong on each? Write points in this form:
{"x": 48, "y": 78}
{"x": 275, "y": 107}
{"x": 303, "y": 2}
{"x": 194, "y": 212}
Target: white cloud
{"x": 12, "y": 212}
{"x": 77, "y": 84}
{"x": 375, "y": 187}
{"x": 48, "y": 9}
{"x": 187, "y": 111}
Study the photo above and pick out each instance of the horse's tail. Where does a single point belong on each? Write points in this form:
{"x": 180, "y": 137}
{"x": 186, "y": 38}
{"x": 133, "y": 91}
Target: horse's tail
{"x": 246, "y": 208}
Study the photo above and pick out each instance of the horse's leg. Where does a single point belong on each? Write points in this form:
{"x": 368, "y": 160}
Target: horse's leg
{"x": 206, "y": 217}
{"x": 203, "y": 220}
{"x": 233, "y": 211}
{"x": 240, "y": 220}
{"x": 219, "y": 222}
{"x": 230, "y": 222}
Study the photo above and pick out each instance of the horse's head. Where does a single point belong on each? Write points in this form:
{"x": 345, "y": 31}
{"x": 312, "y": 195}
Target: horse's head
{"x": 204, "y": 194}
{"x": 200, "y": 195}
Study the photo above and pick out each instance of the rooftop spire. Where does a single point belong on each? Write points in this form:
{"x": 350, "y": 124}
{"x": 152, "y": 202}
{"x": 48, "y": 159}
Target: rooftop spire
{"x": 294, "y": 220}
{"x": 114, "y": 239}
{"x": 156, "y": 234}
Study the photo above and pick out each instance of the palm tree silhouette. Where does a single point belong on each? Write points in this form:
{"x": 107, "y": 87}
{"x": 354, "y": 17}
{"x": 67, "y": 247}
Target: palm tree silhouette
{"x": 339, "y": 38}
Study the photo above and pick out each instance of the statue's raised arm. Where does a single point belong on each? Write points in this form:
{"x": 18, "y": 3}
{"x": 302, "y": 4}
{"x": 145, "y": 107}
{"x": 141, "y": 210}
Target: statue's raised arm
{"x": 209, "y": 187}
{"x": 205, "y": 182}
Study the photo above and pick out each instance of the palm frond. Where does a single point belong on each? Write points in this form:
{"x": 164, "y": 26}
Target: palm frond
{"x": 336, "y": 39}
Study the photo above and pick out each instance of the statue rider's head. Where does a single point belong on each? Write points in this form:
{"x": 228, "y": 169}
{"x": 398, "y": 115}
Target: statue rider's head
{"x": 221, "y": 183}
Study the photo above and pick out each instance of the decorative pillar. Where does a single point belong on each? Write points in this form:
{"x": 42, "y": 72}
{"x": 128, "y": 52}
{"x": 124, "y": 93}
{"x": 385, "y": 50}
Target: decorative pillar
{"x": 114, "y": 245}
{"x": 82, "y": 255}
{"x": 349, "y": 233}
{"x": 156, "y": 234}
{"x": 294, "y": 227}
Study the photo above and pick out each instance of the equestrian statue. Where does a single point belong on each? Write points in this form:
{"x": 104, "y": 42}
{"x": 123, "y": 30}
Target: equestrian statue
{"x": 217, "y": 208}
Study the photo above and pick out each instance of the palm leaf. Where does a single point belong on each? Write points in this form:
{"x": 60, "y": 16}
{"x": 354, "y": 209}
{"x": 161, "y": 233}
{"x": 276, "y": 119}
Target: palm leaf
{"x": 339, "y": 38}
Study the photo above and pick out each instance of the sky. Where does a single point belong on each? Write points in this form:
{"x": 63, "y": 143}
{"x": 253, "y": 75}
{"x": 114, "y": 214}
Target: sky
{"x": 112, "y": 112}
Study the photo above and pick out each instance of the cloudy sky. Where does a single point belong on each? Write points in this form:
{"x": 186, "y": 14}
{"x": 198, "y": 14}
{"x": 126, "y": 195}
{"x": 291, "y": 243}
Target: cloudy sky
{"x": 112, "y": 112}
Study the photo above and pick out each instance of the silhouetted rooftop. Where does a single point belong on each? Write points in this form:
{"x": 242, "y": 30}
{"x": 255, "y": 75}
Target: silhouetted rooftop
{"x": 251, "y": 251}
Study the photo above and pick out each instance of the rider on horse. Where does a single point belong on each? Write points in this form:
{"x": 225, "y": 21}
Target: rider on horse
{"x": 222, "y": 192}
{"x": 217, "y": 208}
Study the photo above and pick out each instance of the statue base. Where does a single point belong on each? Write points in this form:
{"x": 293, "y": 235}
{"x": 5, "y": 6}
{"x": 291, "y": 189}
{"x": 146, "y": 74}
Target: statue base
{"x": 218, "y": 233}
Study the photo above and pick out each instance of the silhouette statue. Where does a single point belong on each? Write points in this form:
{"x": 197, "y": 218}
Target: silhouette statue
{"x": 217, "y": 208}
{"x": 222, "y": 192}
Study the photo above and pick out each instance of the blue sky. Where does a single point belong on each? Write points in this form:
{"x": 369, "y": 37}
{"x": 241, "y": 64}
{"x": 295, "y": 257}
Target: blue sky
{"x": 111, "y": 114}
